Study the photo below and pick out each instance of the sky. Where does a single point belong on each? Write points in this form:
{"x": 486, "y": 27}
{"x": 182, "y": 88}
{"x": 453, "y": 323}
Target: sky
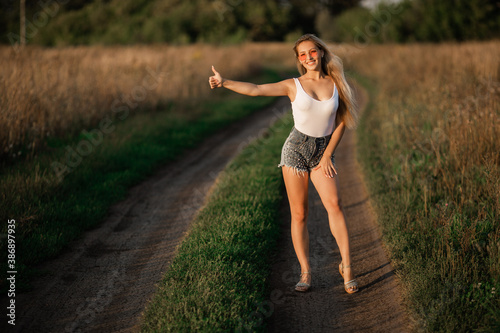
{"x": 373, "y": 3}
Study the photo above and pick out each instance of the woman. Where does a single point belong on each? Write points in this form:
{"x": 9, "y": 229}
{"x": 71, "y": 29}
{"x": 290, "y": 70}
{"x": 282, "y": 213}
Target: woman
{"x": 323, "y": 105}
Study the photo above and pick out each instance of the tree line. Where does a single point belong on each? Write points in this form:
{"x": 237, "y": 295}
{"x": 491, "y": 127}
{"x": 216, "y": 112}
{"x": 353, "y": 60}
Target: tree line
{"x": 415, "y": 21}
{"x": 84, "y": 22}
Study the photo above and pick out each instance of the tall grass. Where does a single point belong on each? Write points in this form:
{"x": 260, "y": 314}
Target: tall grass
{"x": 431, "y": 145}
{"x": 50, "y": 211}
{"x": 53, "y": 93}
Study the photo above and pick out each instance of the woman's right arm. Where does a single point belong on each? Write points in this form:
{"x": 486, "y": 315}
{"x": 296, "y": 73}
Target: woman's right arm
{"x": 281, "y": 88}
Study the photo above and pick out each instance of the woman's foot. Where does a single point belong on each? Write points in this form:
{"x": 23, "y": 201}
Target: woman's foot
{"x": 304, "y": 283}
{"x": 351, "y": 286}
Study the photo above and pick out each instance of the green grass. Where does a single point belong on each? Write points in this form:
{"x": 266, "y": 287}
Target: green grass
{"x": 218, "y": 279}
{"x": 50, "y": 211}
{"x": 445, "y": 255}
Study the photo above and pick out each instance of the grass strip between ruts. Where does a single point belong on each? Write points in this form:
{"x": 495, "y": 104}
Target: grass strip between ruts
{"x": 218, "y": 279}
{"x": 51, "y": 212}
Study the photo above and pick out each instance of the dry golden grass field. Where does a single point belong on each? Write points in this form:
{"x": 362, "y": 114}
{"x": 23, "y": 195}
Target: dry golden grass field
{"x": 430, "y": 138}
{"x": 432, "y": 141}
{"x": 441, "y": 101}
{"x": 47, "y": 92}
{"x": 50, "y": 92}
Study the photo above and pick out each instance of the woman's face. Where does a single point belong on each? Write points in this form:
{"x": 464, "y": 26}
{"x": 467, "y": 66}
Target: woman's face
{"x": 309, "y": 55}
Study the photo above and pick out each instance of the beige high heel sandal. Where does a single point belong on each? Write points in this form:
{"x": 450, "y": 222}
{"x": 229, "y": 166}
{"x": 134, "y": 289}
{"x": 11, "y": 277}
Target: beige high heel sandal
{"x": 350, "y": 287}
{"x": 302, "y": 286}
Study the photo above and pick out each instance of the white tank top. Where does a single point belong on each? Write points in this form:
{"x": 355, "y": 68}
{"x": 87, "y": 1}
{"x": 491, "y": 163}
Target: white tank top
{"x": 312, "y": 117}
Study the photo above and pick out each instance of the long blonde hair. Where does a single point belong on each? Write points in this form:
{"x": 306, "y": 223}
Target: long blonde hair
{"x": 332, "y": 65}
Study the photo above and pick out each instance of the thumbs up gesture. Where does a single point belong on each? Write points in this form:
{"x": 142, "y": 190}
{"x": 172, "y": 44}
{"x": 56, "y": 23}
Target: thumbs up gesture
{"x": 215, "y": 80}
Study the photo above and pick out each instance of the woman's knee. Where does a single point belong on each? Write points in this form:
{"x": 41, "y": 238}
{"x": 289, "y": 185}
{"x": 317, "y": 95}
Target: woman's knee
{"x": 299, "y": 216}
{"x": 334, "y": 206}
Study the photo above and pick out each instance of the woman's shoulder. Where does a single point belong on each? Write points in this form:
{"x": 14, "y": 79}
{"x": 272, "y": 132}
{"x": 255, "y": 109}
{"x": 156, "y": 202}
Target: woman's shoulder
{"x": 289, "y": 82}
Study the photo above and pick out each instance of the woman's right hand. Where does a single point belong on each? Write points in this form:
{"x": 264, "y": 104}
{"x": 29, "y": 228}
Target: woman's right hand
{"x": 215, "y": 80}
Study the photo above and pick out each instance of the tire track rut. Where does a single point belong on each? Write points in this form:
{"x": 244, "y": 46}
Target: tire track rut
{"x": 327, "y": 307}
{"x": 103, "y": 282}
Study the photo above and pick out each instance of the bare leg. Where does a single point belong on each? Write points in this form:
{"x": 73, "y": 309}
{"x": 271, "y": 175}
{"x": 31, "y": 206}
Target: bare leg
{"x": 296, "y": 188}
{"x": 328, "y": 192}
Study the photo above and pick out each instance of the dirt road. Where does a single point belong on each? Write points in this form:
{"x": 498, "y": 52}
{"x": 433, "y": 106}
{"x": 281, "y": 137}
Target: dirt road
{"x": 104, "y": 281}
{"x": 327, "y": 307}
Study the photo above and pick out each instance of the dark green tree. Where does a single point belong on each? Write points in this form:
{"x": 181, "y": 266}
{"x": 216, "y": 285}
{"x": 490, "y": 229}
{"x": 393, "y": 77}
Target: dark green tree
{"x": 456, "y": 19}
